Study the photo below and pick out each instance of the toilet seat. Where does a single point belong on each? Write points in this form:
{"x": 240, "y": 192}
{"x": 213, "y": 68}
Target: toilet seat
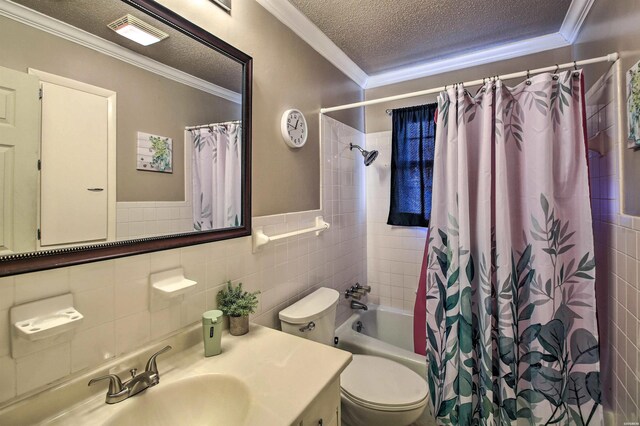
{"x": 381, "y": 384}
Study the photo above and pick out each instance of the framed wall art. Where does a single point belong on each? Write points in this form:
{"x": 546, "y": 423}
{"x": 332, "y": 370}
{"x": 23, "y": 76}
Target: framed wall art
{"x": 155, "y": 153}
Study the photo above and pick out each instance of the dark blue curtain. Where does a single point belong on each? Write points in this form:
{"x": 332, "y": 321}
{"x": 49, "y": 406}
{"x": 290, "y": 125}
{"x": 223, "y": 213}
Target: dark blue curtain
{"x": 413, "y": 142}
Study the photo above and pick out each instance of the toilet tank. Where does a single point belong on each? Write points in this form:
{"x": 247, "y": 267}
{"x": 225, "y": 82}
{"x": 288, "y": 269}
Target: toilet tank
{"x": 318, "y": 308}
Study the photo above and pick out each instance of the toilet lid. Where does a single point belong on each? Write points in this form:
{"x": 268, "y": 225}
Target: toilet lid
{"x": 383, "y": 384}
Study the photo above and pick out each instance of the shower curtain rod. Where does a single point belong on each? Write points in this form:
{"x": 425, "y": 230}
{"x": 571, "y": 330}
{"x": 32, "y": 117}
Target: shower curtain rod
{"x": 204, "y": 126}
{"x": 611, "y": 57}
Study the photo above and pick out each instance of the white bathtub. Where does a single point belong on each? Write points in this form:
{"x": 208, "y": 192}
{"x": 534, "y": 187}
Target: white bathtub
{"x": 385, "y": 332}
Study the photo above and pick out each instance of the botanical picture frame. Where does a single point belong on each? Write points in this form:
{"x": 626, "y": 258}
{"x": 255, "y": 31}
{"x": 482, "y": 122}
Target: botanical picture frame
{"x": 633, "y": 106}
{"x": 155, "y": 153}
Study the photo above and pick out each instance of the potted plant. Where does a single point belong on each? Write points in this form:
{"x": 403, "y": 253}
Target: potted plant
{"x": 237, "y": 304}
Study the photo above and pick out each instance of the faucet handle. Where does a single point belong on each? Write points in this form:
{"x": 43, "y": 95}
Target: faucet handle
{"x": 353, "y": 293}
{"x": 152, "y": 367}
{"x": 363, "y": 288}
{"x": 115, "y": 384}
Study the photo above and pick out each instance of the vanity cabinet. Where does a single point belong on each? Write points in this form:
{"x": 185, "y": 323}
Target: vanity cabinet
{"x": 325, "y": 409}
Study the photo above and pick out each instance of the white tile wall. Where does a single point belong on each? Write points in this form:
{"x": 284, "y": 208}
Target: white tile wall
{"x": 394, "y": 253}
{"x": 617, "y": 245}
{"x": 114, "y": 295}
{"x": 152, "y": 218}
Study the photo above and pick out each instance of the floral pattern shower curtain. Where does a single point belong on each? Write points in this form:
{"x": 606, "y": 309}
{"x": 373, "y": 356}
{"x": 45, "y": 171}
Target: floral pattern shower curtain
{"x": 511, "y": 321}
{"x": 216, "y": 175}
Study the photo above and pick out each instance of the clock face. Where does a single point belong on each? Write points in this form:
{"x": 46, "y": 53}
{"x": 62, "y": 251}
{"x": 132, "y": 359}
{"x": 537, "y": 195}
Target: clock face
{"x": 294, "y": 128}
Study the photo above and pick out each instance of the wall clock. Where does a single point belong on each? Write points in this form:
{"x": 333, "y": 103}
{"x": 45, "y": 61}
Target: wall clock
{"x": 294, "y": 128}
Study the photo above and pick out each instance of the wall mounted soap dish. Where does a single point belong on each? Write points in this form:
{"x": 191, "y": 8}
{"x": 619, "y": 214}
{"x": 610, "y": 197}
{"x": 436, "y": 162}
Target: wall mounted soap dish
{"x": 171, "y": 283}
{"x": 44, "y": 326}
{"x": 45, "y": 318}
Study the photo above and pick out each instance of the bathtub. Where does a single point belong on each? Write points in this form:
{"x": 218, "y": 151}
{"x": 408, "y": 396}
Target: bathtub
{"x": 385, "y": 332}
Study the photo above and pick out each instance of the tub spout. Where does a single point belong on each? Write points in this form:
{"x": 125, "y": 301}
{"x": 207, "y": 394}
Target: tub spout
{"x": 358, "y": 305}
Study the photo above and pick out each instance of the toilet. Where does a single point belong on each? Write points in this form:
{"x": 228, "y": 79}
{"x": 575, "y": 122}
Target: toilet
{"x": 374, "y": 391}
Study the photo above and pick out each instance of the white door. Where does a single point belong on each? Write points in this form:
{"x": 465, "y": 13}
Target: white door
{"x": 19, "y": 144}
{"x": 74, "y": 175}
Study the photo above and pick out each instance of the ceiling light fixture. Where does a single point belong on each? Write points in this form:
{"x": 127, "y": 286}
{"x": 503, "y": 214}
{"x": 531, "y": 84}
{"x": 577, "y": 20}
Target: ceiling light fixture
{"x": 137, "y": 30}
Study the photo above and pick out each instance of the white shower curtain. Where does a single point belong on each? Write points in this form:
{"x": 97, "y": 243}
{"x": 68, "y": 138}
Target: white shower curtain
{"x": 512, "y": 336}
{"x": 217, "y": 180}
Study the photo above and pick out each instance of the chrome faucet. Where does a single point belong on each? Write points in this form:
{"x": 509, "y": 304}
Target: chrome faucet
{"x": 119, "y": 391}
{"x": 357, "y": 291}
{"x": 358, "y": 305}
{"x": 363, "y": 289}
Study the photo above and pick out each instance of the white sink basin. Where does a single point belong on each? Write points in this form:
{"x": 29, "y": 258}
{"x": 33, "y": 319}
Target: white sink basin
{"x": 208, "y": 399}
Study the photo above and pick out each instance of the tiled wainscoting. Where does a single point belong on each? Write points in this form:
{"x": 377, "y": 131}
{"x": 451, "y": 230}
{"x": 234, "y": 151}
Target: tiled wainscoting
{"x": 394, "y": 253}
{"x": 152, "y": 218}
{"x": 114, "y": 295}
{"x": 617, "y": 245}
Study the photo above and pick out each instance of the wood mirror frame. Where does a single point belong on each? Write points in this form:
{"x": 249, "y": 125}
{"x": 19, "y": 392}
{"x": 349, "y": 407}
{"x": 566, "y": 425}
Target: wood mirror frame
{"x": 49, "y": 259}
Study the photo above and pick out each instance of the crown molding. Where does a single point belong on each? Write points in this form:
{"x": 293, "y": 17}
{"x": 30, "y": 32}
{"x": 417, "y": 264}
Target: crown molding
{"x": 289, "y": 15}
{"x": 466, "y": 60}
{"x": 61, "y": 29}
{"x": 573, "y": 20}
{"x": 298, "y": 22}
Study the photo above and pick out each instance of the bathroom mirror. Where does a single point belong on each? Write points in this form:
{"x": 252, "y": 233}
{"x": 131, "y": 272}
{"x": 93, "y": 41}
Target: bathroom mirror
{"x": 124, "y": 129}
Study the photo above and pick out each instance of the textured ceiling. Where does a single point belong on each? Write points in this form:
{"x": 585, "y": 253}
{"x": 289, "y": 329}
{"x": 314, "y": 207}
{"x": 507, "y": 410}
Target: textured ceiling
{"x": 178, "y": 51}
{"x": 381, "y": 35}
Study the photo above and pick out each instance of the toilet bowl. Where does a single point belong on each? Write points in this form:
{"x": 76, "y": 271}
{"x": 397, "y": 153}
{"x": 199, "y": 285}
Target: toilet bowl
{"x": 374, "y": 391}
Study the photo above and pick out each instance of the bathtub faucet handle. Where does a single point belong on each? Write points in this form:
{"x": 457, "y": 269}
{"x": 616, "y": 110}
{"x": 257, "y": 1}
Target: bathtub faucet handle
{"x": 362, "y": 288}
{"x": 353, "y": 293}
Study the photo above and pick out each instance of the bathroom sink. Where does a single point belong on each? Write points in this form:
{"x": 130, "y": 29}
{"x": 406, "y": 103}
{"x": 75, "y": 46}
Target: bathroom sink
{"x": 208, "y": 399}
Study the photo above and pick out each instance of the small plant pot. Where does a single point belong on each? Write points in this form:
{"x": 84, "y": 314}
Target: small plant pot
{"x": 239, "y": 325}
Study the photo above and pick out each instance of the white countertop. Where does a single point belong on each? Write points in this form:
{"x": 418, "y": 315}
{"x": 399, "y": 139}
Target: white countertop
{"x": 285, "y": 373}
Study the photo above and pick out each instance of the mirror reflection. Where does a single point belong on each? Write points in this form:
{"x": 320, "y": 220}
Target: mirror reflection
{"x": 113, "y": 126}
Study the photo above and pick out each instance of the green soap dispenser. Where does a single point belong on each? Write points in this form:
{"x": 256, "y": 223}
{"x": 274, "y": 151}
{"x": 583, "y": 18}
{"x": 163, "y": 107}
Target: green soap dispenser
{"x": 212, "y": 332}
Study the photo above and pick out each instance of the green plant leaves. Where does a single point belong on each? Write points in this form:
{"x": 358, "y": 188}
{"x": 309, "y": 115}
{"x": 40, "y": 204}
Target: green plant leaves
{"x": 504, "y": 358}
{"x": 592, "y": 381}
{"x": 577, "y": 394}
{"x": 584, "y": 347}
{"x": 470, "y": 270}
{"x": 506, "y": 347}
{"x": 535, "y": 357}
{"x": 453, "y": 278}
{"x": 530, "y": 333}
{"x": 531, "y": 396}
{"x": 465, "y": 414}
{"x": 234, "y": 301}
{"x": 509, "y": 405}
{"x": 524, "y": 260}
{"x": 545, "y": 205}
{"x": 526, "y": 313}
{"x": 548, "y": 382}
{"x": 432, "y": 339}
{"x": 452, "y": 301}
{"x": 446, "y": 407}
{"x": 466, "y": 305}
{"x": 552, "y": 337}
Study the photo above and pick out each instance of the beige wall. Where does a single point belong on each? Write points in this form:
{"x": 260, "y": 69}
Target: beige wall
{"x": 146, "y": 102}
{"x": 377, "y": 120}
{"x": 615, "y": 26}
{"x": 288, "y": 73}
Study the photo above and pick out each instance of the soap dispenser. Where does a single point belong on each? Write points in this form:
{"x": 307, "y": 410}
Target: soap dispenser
{"x": 212, "y": 332}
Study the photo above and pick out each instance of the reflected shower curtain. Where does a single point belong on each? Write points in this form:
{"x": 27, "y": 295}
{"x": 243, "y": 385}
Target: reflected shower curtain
{"x": 216, "y": 175}
{"x": 511, "y": 321}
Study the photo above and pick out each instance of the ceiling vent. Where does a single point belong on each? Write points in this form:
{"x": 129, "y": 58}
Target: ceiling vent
{"x": 137, "y": 30}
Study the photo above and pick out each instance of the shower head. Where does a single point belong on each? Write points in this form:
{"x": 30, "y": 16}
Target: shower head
{"x": 369, "y": 156}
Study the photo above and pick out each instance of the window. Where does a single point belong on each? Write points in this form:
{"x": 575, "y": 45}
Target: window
{"x": 413, "y": 141}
